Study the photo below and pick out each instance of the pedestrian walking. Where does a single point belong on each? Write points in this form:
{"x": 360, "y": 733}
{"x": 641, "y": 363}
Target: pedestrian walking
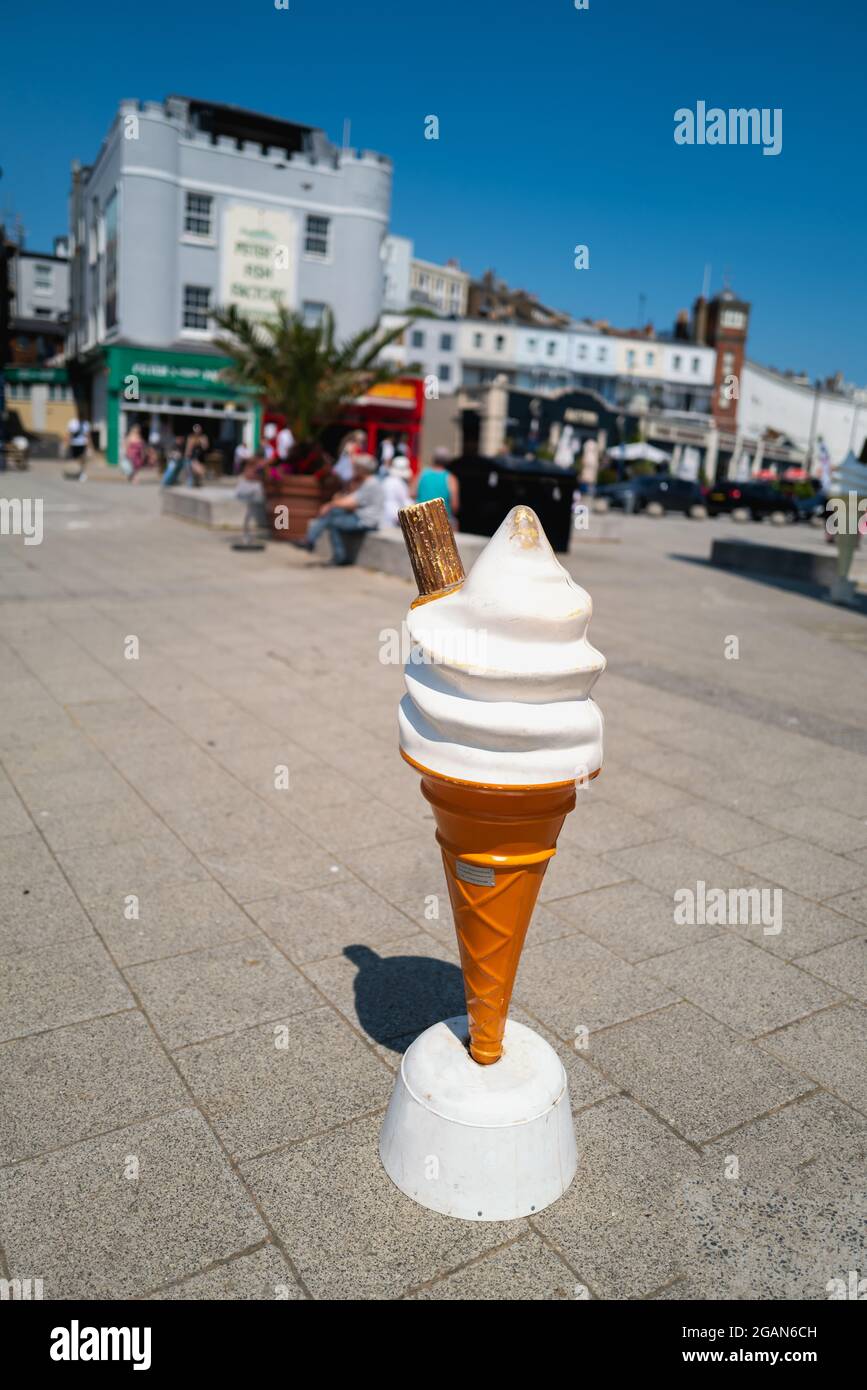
{"x": 133, "y": 453}
{"x": 78, "y": 437}
{"x": 195, "y": 452}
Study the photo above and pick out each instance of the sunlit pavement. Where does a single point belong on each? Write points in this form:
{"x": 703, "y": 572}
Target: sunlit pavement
{"x": 208, "y": 976}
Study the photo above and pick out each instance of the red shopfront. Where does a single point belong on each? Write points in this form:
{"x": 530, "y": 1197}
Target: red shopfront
{"x": 392, "y": 409}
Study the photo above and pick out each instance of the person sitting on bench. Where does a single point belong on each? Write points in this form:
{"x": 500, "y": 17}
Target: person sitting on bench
{"x": 356, "y": 512}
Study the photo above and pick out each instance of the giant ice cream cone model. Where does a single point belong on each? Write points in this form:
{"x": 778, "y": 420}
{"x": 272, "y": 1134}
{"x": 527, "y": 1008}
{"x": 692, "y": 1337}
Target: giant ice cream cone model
{"x": 498, "y": 719}
{"x": 496, "y": 845}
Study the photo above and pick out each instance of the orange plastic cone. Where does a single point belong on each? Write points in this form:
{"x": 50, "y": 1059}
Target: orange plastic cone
{"x": 496, "y": 845}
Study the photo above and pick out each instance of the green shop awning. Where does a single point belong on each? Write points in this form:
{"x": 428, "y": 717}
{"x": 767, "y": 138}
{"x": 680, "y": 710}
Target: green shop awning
{"x": 174, "y": 373}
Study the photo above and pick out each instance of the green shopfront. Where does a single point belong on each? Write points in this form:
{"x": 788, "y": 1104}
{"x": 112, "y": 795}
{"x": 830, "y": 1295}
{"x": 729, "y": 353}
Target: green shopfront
{"x": 166, "y": 393}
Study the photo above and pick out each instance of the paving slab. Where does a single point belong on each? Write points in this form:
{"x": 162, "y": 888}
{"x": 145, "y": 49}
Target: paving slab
{"x": 577, "y": 871}
{"x": 322, "y": 922}
{"x": 171, "y": 920}
{"x": 695, "y": 1073}
{"x": 61, "y": 984}
{"x": 819, "y": 1129}
{"x": 96, "y": 1230}
{"x": 291, "y": 861}
{"x": 820, "y": 825}
{"x": 71, "y": 1083}
{"x": 853, "y": 904}
{"x": 98, "y": 823}
{"x": 526, "y": 1269}
{"x": 805, "y": 868}
{"x": 575, "y": 983}
{"x": 843, "y": 966}
{"x": 618, "y": 1223}
{"x": 741, "y": 985}
{"x": 805, "y": 925}
{"x": 357, "y": 1236}
{"x": 408, "y": 874}
{"x": 670, "y": 864}
{"x": 262, "y": 1275}
{"x": 268, "y": 1087}
{"x": 830, "y": 1049}
{"x": 597, "y": 826}
{"x": 716, "y": 828}
{"x": 630, "y": 919}
{"x": 129, "y": 866}
{"x": 220, "y": 989}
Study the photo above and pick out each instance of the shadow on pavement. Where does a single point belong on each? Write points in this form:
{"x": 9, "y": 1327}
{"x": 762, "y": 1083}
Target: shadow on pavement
{"x": 818, "y": 592}
{"x": 398, "y": 996}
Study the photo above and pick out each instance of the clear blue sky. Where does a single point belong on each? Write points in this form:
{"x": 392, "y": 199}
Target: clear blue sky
{"x": 556, "y": 128}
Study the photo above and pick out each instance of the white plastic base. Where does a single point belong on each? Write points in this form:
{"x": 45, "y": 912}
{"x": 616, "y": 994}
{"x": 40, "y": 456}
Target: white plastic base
{"x": 480, "y": 1143}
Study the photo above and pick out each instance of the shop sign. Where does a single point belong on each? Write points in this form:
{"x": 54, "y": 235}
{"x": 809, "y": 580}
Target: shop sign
{"x": 259, "y": 259}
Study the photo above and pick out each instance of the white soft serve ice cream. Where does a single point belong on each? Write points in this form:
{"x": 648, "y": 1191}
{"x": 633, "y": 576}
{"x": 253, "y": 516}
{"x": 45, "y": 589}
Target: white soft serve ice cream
{"x": 500, "y": 672}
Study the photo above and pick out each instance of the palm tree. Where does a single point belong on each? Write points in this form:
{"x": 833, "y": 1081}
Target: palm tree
{"x": 299, "y": 369}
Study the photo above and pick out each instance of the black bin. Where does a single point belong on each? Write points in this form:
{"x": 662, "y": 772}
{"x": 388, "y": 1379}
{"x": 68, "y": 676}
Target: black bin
{"x": 490, "y": 488}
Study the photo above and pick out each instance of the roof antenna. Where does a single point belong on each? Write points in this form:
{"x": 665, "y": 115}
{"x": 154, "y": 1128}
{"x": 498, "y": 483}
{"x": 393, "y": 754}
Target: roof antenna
{"x": 347, "y": 130}
{"x": 705, "y": 284}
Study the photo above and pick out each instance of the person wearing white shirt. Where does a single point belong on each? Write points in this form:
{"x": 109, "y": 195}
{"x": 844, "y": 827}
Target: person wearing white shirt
{"x": 78, "y": 434}
{"x": 395, "y": 490}
{"x": 284, "y": 441}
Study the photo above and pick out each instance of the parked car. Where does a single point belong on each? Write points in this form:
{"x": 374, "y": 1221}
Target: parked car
{"x": 813, "y": 508}
{"x": 759, "y": 499}
{"x": 672, "y": 493}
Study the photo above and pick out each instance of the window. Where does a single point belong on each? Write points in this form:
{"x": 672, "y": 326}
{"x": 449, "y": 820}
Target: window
{"x": 582, "y": 350}
{"x": 445, "y": 342}
{"x": 111, "y": 261}
{"x": 197, "y": 214}
{"x": 648, "y": 358}
{"x": 43, "y": 278}
{"x": 477, "y": 340}
{"x": 197, "y": 303}
{"x": 696, "y": 364}
{"x": 423, "y": 280}
{"x": 316, "y": 235}
{"x": 439, "y": 284}
{"x": 445, "y": 372}
{"x": 499, "y": 342}
{"x": 313, "y": 313}
{"x": 532, "y": 344}
{"x": 416, "y": 338}
{"x": 42, "y": 312}
{"x": 677, "y": 361}
{"x": 551, "y": 347}
{"x": 630, "y": 358}
{"x": 602, "y": 354}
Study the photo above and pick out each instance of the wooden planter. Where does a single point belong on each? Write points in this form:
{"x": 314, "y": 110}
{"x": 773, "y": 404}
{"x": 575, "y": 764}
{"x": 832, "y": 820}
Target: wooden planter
{"x": 291, "y": 502}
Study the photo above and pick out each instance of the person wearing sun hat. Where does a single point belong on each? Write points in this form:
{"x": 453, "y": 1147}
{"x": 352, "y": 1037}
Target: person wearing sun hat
{"x": 395, "y": 489}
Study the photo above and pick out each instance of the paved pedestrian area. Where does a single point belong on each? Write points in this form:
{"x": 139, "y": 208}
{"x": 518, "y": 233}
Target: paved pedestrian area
{"x": 218, "y": 898}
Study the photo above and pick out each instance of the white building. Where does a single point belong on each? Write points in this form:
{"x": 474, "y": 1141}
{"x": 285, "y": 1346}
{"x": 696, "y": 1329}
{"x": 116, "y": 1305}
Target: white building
{"x": 397, "y": 266}
{"x": 431, "y": 347}
{"x": 409, "y": 281}
{"x": 770, "y": 401}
